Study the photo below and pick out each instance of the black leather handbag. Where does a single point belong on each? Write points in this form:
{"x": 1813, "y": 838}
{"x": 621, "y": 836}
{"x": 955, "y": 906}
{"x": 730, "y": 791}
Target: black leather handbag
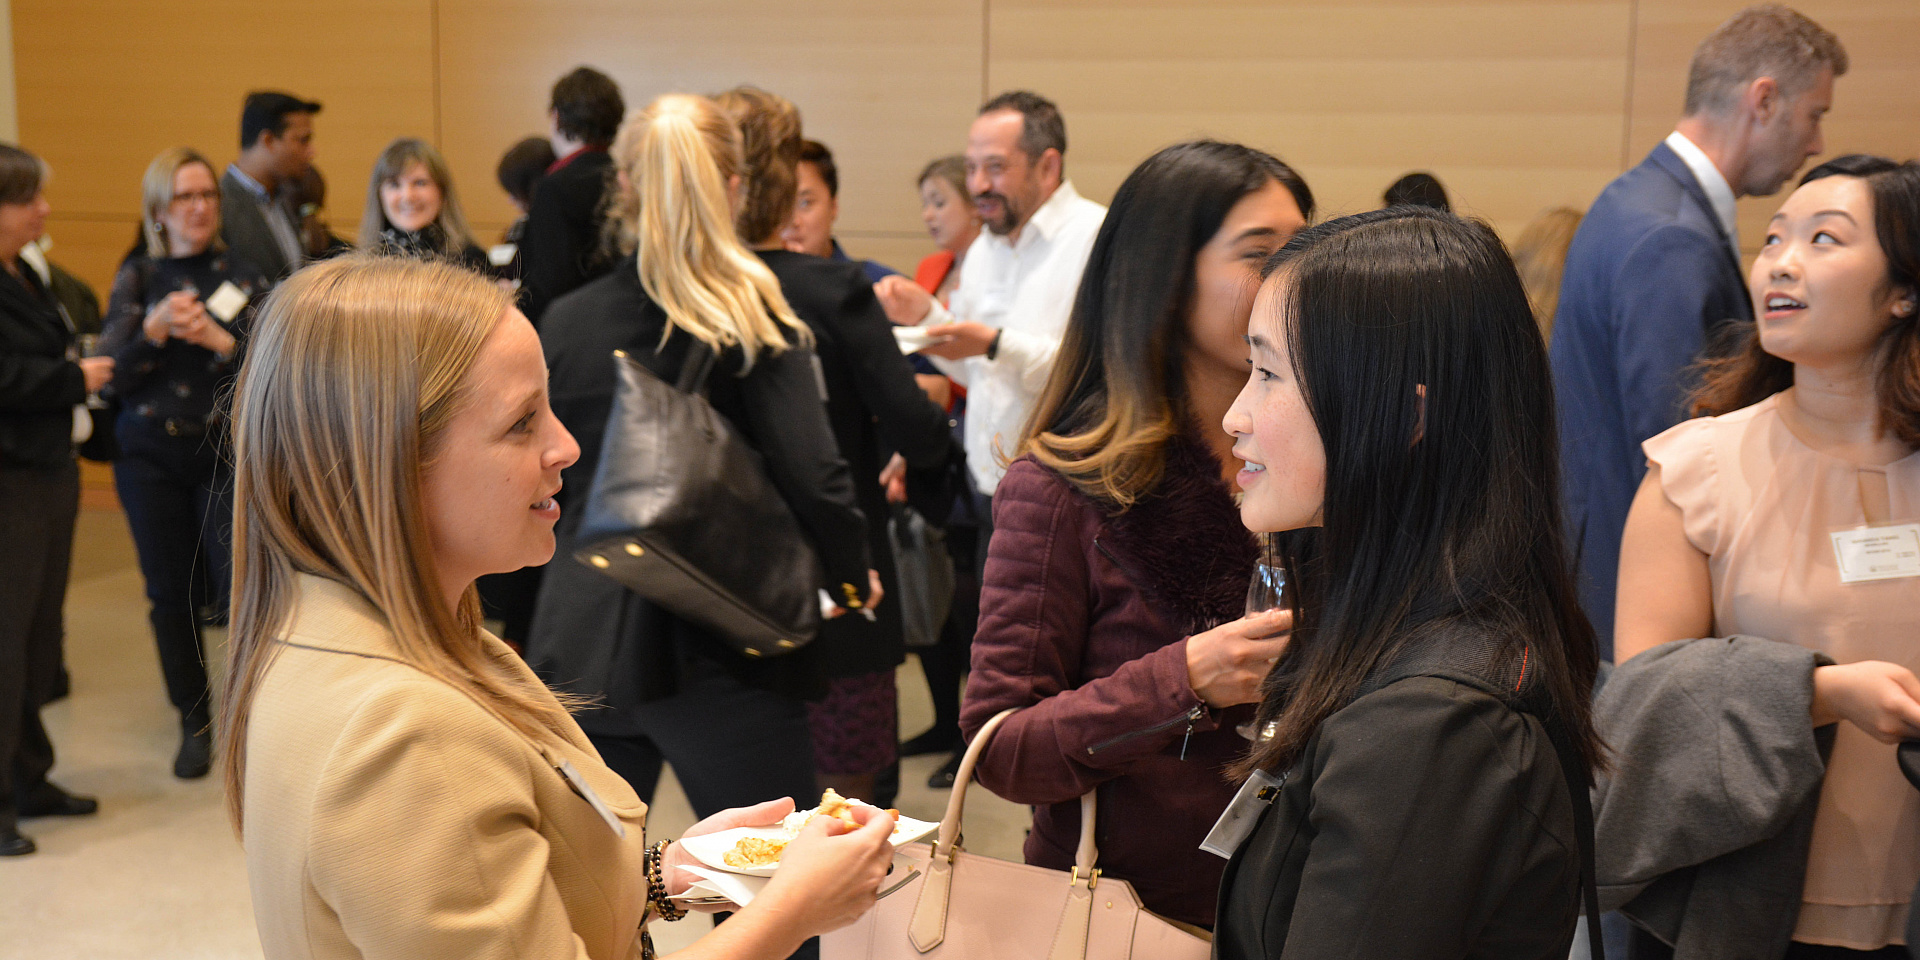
{"x": 682, "y": 512}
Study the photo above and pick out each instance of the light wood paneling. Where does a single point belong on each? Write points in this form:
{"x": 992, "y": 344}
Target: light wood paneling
{"x": 105, "y": 85}
{"x": 887, "y": 87}
{"x": 1876, "y": 106}
{"x": 1517, "y": 105}
{"x": 1514, "y": 106}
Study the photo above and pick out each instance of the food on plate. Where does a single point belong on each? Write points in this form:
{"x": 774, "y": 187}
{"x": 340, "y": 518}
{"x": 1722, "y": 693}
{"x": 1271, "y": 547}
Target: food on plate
{"x": 761, "y": 852}
{"x": 754, "y": 852}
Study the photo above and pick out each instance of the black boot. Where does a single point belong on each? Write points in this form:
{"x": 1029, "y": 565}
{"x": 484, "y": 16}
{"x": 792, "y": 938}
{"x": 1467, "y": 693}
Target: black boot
{"x": 196, "y": 751}
{"x": 47, "y": 800}
{"x": 12, "y": 843}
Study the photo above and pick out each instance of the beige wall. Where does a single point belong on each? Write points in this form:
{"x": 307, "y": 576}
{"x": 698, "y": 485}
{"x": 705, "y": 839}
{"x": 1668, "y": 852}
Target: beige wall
{"x": 1518, "y": 105}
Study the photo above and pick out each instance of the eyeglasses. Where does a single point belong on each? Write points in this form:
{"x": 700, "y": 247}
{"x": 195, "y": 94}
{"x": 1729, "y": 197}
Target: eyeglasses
{"x": 209, "y": 197}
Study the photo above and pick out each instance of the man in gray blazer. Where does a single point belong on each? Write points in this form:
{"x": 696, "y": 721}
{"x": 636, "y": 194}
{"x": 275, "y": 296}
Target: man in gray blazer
{"x": 276, "y": 148}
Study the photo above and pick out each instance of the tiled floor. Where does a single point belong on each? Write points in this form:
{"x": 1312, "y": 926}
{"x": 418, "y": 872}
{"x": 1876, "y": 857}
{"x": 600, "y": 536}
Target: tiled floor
{"x": 158, "y": 875}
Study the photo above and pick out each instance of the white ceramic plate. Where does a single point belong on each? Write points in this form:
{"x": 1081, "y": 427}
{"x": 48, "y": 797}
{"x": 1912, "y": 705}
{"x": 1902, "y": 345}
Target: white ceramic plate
{"x": 711, "y": 849}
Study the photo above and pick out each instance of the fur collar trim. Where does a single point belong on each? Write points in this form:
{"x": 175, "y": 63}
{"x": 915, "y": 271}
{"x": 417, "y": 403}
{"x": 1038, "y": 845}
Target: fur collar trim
{"x": 1183, "y": 545}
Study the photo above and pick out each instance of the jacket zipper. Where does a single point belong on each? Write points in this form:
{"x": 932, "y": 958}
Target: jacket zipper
{"x": 1190, "y": 718}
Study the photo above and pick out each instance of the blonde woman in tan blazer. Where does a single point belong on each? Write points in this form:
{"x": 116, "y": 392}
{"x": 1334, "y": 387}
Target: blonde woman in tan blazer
{"x": 404, "y": 785}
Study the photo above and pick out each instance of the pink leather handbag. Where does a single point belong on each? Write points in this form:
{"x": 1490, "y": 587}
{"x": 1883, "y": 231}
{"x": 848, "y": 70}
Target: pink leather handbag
{"x": 981, "y": 908}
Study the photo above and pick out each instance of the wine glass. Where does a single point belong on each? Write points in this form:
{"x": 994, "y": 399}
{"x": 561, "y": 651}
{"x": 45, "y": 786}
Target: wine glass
{"x": 1271, "y": 588}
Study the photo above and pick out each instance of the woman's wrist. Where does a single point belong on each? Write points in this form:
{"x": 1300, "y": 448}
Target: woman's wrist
{"x": 1824, "y": 688}
{"x": 656, "y": 868}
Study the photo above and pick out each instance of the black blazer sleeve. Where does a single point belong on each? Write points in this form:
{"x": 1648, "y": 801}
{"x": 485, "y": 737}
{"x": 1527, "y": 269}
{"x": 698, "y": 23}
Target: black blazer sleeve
{"x": 787, "y": 421}
{"x": 35, "y": 375}
{"x": 907, "y": 421}
{"x": 558, "y": 247}
{"x": 39, "y": 384}
{"x": 122, "y": 336}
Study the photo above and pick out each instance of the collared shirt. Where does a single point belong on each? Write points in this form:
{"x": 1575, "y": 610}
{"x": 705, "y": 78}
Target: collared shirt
{"x": 278, "y": 222}
{"x": 1026, "y": 289}
{"x": 1712, "y": 181}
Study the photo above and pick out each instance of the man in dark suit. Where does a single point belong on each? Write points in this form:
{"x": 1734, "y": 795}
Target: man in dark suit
{"x": 257, "y": 219}
{"x": 561, "y": 248}
{"x": 1654, "y": 271}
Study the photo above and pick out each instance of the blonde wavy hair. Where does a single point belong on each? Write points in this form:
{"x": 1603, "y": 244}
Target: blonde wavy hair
{"x": 392, "y": 163}
{"x": 679, "y": 160}
{"x": 156, "y": 196}
{"x": 355, "y": 368}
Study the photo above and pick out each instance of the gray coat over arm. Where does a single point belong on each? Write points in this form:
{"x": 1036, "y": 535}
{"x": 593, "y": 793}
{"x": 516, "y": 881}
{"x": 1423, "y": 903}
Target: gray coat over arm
{"x": 1701, "y": 828}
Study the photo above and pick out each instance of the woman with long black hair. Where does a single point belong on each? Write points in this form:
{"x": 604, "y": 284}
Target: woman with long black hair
{"x": 1428, "y": 723}
{"x": 1112, "y": 604}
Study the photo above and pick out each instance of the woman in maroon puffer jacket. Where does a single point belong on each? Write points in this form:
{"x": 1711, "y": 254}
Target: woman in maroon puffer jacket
{"x": 1117, "y": 576}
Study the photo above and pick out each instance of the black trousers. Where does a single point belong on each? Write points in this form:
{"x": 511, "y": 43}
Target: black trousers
{"x": 179, "y": 504}
{"x": 38, "y": 507}
{"x": 731, "y": 745}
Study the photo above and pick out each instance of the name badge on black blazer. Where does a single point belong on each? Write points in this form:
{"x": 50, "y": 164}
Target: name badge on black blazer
{"x": 1236, "y": 823}
{"x": 579, "y": 784}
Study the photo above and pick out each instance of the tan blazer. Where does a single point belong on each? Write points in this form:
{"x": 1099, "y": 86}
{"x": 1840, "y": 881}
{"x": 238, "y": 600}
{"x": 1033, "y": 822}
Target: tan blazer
{"x": 388, "y": 815}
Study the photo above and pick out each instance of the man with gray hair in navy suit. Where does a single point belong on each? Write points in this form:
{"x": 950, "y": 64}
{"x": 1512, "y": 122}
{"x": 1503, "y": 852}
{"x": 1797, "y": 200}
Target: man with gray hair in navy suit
{"x": 1653, "y": 277}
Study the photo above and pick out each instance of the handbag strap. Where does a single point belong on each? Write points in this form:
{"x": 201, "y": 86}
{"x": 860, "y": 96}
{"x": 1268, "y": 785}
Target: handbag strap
{"x": 947, "y": 841}
{"x": 927, "y": 927}
{"x": 695, "y": 368}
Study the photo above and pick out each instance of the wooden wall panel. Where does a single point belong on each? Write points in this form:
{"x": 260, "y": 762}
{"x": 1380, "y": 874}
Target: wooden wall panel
{"x": 1876, "y": 106}
{"x": 105, "y": 85}
{"x": 887, "y": 87}
{"x": 1515, "y": 106}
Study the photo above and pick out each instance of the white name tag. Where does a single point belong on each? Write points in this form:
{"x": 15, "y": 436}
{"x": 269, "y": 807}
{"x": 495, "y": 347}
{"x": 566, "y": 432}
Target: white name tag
{"x": 1878, "y": 553}
{"x": 586, "y": 793}
{"x": 227, "y": 302}
{"x": 1238, "y": 821}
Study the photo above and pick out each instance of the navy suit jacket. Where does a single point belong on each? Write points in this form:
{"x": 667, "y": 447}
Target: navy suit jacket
{"x": 1650, "y": 278}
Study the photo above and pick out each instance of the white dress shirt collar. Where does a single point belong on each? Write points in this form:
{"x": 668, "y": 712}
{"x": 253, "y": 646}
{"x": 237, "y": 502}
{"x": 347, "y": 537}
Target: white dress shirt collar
{"x": 1719, "y": 193}
{"x": 1052, "y": 215}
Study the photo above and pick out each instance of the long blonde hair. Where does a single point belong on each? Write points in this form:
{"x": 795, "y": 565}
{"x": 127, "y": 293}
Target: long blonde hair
{"x": 674, "y": 209}
{"x": 391, "y": 164}
{"x": 354, "y": 370}
{"x": 156, "y": 196}
{"x": 1540, "y": 254}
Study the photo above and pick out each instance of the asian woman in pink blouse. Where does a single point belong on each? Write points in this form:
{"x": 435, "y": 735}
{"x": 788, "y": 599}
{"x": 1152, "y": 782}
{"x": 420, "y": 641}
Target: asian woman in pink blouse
{"x": 1750, "y": 519}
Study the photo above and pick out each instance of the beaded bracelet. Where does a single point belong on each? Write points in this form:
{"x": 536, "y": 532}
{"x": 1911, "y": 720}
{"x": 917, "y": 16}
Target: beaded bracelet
{"x": 663, "y": 907}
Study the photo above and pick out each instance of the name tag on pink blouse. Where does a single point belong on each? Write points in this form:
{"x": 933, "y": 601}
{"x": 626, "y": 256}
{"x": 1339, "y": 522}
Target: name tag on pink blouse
{"x": 1888, "y": 552}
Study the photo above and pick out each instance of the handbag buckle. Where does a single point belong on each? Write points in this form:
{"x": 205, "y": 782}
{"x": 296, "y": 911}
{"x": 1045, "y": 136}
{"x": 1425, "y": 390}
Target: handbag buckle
{"x": 1093, "y": 877}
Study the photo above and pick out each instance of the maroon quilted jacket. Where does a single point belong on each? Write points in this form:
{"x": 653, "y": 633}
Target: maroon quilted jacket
{"x": 1083, "y": 621}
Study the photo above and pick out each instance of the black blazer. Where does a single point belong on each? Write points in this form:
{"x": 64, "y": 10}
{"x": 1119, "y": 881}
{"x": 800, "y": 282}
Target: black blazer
{"x": 244, "y": 228}
{"x": 591, "y": 635}
{"x": 561, "y": 247}
{"x": 38, "y": 384}
{"x": 1429, "y": 818}
{"x": 876, "y": 408}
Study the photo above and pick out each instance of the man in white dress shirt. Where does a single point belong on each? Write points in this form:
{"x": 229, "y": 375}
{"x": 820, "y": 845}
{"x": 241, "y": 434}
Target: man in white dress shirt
{"x": 1017, "y": 282}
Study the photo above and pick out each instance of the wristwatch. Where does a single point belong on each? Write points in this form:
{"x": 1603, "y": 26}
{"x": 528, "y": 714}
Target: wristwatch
{"x": 993, "y": 346}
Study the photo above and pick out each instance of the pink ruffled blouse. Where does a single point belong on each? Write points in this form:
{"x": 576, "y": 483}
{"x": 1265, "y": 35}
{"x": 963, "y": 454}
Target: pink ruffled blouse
{"x": 1762, "y": 505}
